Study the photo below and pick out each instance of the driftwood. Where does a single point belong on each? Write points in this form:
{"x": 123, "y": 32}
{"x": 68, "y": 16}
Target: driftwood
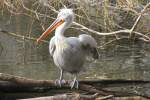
{"x": 76, "y": 96}
{"x": 71, "y": 96}
{"x": 100, "y": 88}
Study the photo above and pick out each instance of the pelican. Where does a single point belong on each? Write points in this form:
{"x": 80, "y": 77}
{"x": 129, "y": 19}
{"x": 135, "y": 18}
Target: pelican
{"x": 69, "y": 53}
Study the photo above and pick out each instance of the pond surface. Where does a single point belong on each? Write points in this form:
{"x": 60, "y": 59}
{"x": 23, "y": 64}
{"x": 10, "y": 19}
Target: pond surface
{"x": 124, "y": 61}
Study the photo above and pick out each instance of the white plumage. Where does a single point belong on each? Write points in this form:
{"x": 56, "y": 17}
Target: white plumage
{"x": 69, "y": 53}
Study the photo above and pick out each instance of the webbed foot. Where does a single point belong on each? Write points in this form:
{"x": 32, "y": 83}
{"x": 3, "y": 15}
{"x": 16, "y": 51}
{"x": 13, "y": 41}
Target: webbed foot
{"x": 59, "y": 82}
{"x": 74, "y": 84}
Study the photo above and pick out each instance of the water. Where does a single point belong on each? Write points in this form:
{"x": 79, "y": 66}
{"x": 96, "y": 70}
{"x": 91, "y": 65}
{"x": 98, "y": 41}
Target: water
{"x": 123, "y": 59}
{"x": 120, "y": 62}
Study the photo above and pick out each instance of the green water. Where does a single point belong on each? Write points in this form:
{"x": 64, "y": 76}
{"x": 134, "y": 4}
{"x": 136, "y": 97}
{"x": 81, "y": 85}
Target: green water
{"x": 124, "y": 62}
{"x": 122, "y": 59}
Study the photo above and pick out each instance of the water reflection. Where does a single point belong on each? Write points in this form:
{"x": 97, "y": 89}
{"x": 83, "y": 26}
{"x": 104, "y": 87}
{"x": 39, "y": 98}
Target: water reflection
{"x": 122, "y": 62}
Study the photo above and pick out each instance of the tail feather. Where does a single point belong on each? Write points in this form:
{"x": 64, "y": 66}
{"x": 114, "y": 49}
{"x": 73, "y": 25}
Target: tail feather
{"x": 95, "y": 53}
{"x": 89, "y": 44}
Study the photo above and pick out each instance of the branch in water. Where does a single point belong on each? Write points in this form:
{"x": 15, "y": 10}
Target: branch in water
{"x": 11, "y": 83}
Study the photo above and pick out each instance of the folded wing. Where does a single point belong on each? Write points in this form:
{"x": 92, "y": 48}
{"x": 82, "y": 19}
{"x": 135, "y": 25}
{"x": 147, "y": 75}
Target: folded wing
{"x": 89, "y": 44}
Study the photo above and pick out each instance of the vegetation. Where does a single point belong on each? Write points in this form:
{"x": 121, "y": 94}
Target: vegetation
{"x": 97, "y": 17}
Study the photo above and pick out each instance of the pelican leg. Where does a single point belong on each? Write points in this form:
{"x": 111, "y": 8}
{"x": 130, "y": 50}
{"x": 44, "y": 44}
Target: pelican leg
{"x": 60, "y": 81}
{"x": 74, "y": 83}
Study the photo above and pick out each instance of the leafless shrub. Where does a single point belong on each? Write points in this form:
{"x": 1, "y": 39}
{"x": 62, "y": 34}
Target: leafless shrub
{"x": 102, "y": 17}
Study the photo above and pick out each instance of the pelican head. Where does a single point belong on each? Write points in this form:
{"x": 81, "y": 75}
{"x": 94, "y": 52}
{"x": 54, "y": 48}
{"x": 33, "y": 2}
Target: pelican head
{"x": 64, "y": 19}
{"x": 67, "y": 15}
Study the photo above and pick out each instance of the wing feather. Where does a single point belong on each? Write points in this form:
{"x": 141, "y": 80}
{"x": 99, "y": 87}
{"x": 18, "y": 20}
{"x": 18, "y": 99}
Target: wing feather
{"x": 89, "y": 44}
{"x": 52, "y": 46}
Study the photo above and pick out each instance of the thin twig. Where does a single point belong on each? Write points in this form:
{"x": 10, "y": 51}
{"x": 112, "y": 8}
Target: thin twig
{"x": 138, "y": 19}
{"x": 21, "y": 36}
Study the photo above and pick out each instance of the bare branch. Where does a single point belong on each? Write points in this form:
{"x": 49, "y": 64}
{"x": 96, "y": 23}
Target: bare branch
{"x": 110, "y": 33}
{"x": 21, "y": 36}
{"x": 138, "y": 19}
{"x": 70, "y": 96}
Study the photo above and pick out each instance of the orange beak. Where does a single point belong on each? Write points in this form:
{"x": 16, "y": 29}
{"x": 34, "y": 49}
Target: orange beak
{"x": 52, "y": 27}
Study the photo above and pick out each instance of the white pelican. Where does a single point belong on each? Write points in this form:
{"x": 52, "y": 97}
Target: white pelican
{"x": 69, "y": 53}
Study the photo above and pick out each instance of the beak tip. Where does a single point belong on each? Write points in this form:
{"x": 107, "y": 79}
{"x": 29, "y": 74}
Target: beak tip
{"x": 37, "y": 41}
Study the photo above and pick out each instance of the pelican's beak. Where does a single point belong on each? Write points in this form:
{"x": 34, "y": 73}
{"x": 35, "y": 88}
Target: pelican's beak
{"x": 53, "y": 26}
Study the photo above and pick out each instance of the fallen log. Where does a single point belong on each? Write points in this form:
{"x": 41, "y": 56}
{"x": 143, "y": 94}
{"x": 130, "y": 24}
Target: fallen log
{"x": 16, "y": 84}
{"x": 71, "y": 96}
